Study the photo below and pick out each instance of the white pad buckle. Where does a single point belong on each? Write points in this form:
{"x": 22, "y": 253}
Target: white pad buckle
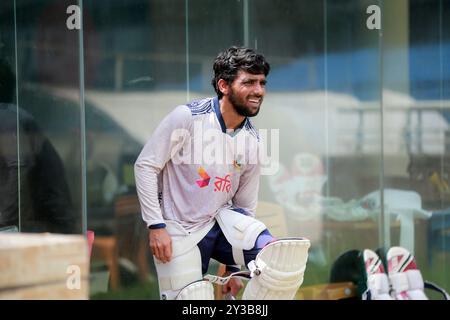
{"x": 256, "y": 269}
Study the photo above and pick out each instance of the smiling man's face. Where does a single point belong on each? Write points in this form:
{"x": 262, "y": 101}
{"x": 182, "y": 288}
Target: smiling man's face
{"x": 247, "y": 92}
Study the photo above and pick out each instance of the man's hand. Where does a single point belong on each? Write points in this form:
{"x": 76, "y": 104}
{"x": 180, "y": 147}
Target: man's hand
{"x": 233, "y": 286}
{"x": 160, "y": 244}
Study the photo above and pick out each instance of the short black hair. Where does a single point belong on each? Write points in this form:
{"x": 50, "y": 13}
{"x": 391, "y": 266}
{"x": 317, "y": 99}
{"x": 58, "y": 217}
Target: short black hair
{"x": 7, "y": 82}
{"x": 229, "y": 62}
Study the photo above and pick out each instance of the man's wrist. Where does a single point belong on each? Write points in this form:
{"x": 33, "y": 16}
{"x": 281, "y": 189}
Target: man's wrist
{"x": 233, "y": 268}
{"x": 157, "y": 226}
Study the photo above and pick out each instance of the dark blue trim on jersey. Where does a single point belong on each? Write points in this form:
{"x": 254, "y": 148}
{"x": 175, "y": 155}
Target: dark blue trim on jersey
{"x": 241, "y": 211}
{"x": 232, "y": 268}
{"x": 220, "y": 118}
{"x": 157, "y": 226}
{"x": 219, "y": 114}
{"x": 201, "y": 106}
{"x": 250, "y": 128}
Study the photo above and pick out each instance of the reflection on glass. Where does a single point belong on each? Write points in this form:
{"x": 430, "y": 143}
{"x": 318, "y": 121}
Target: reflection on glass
{"x": 317, "y": 93}
{"x": 415, "y": 83}
{"x": 37, "y": 173}
{"x": 46, "y": 60}
{"x": 38, "y": 193}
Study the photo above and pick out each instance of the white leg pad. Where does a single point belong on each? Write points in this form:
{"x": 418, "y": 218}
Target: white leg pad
{"x": 199, "y": 290}
{"x": 379, "y": 286}
{"x": 240, "y": 230}
{"x": 178, "y": 273}
{"x": 185, "y": 266}
{"x": 408, "y": 285}
{"x": 277, "y": 272}
{"x": 416, "y": 285}
{"x": 405, "y": 277}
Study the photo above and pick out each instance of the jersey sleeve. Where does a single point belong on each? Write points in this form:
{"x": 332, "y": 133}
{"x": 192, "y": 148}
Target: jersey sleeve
{"x": 167, "y": 139}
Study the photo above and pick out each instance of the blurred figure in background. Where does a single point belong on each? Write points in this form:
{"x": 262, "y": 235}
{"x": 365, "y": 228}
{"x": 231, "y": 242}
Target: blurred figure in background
{"x": 34, "y": 195}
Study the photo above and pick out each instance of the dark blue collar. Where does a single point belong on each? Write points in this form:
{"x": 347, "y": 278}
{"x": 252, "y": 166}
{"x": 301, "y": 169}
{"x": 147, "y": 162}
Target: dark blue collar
{"x": 220, "y": 118}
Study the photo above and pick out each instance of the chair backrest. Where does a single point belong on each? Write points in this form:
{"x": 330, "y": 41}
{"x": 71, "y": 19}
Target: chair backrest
{"x": 127, "y": 205}
{"x": 272, "y": 215}
{"x": 328, "y": 291}
{"x": 90, "y": 235}
{"x": 130, "y": 229}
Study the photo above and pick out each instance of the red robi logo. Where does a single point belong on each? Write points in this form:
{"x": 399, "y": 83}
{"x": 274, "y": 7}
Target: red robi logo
{"x": 205, "y": 178}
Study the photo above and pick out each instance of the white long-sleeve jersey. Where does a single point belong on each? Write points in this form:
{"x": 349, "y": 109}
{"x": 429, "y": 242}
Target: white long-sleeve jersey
{"x": 191, "y": 167}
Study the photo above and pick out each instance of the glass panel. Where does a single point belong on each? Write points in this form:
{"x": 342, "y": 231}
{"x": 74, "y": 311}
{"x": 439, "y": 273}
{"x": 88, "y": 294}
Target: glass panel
{"x": 9, "y": 188}
{"x": 416, "y": 102}
{"x": 43, "y": 164}
{"x": 135, "y": 61}
{"x": 143, "y": 58}
{"x": 323, "y": 97}
{"x": 355, "y": 120}
{"x": 206, "y": 20}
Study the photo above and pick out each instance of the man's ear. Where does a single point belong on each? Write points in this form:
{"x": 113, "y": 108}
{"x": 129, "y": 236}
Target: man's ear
{"x": 223, "y": 86}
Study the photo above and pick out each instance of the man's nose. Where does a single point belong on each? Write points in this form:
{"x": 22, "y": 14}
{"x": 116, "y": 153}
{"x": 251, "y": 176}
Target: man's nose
{"x": 259, "y": 90}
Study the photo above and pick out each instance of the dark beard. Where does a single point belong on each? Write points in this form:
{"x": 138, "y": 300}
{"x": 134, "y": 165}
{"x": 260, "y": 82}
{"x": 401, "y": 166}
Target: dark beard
{"x": 240, "y": 108}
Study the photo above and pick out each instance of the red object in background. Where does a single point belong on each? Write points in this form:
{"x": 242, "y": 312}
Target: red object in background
{"x": 90, "y": 238}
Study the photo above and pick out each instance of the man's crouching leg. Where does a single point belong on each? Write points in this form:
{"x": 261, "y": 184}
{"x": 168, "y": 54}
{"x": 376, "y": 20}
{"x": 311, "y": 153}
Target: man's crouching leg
{"x": 277, "y": 271}
{"x": 181, "y": 278}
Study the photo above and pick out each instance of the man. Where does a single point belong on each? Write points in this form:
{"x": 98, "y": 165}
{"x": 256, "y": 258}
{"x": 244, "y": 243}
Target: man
{"x": 207, "y": 204}
{"x": 37, "y": 170}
